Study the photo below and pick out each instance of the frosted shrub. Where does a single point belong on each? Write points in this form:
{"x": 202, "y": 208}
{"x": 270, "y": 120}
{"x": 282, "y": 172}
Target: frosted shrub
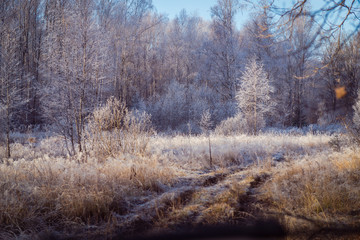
{"x": 137, "y": 132}
{"x": 232, "y": 126}
{"x": 205, "y": 122}
{"x": 356, "y": 120}
{"x": 110, "y": 116}
{"x": 113, "y": 129}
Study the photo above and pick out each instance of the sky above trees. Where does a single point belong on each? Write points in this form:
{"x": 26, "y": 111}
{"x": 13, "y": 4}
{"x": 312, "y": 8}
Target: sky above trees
{"x": 201, "y": 8}
{"x": 172, "y": 8}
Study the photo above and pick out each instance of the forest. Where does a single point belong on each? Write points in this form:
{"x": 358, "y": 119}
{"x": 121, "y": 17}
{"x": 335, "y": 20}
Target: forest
{"x": 116, "y": 120}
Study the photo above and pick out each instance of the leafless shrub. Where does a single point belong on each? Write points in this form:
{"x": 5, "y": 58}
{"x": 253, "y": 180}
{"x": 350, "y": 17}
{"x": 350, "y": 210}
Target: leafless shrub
{"x": 113, "y": 129}
{"x": 232, "y": 126}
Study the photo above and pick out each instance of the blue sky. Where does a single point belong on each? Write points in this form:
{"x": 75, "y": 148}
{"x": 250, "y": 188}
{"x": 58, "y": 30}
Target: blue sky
{"x": 171, "y": 8}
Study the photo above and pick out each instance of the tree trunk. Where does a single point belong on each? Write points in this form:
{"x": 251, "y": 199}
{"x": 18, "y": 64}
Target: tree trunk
{"x": 210, "y": 157}
{"x": 8, "y": 153}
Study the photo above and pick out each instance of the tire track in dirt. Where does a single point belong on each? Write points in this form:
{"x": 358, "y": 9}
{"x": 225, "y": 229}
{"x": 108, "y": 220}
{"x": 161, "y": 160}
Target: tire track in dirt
{"x": 142, "y": 217}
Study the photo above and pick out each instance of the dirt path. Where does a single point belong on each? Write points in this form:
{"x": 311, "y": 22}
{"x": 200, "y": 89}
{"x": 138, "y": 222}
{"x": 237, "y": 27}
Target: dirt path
{"x": 208, "y": 198}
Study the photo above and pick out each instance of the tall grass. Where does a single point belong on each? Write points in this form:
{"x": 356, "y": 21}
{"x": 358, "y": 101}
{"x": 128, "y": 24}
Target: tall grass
{"x": 53, "y": 191}
{"x": 44, "y": 188}
{"x": 324, "y": 189}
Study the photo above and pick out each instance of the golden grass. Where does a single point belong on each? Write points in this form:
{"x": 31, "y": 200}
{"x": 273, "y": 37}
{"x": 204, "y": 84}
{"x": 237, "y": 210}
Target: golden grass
{"x": 348, "y": 162}
{"x": 325, "y": 190}
{"x": 218, "y": 213}
{"x": 41, "y": 191}
{"x": 209, "y": 205}
{"x": 59, "y": 191}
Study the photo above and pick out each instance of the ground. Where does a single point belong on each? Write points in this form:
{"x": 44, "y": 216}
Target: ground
{"x": 292, "y": 185}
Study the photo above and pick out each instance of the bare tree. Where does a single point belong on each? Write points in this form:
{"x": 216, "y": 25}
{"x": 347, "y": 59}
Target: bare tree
{"x": 328, "y": 21}
{"x": 223, "y": 49}
{"x": 11, "y": 100}
{"x": 132, "y": 24}
{"x": 72, "y": 63}
{"x": 342, "y": 71}
{"x": 299, "y": 58}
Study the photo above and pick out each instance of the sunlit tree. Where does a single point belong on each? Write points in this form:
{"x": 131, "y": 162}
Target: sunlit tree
{"x": 253, "y": 96}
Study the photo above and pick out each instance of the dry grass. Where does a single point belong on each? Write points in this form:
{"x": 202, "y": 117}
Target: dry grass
{"x": 318, "y": 192}
{"x": 192, "y": 152}
{"x": 217, "y": 203}
{"x": 170, "y": 184}
{"x": 57, "y": 191}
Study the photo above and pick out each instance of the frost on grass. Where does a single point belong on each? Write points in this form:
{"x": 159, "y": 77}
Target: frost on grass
{"x": 240, "y": 150}
{"x": 170, "y": 182}
{"x": 323, "y": 189}
{"x": 58, "y": 191}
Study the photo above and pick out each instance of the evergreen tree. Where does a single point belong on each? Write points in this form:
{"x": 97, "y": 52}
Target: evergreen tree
{"x": 253, "y": 96}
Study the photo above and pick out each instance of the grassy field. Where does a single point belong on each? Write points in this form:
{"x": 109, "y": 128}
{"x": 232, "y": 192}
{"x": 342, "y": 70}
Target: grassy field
{"x": 308, "y": 184}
